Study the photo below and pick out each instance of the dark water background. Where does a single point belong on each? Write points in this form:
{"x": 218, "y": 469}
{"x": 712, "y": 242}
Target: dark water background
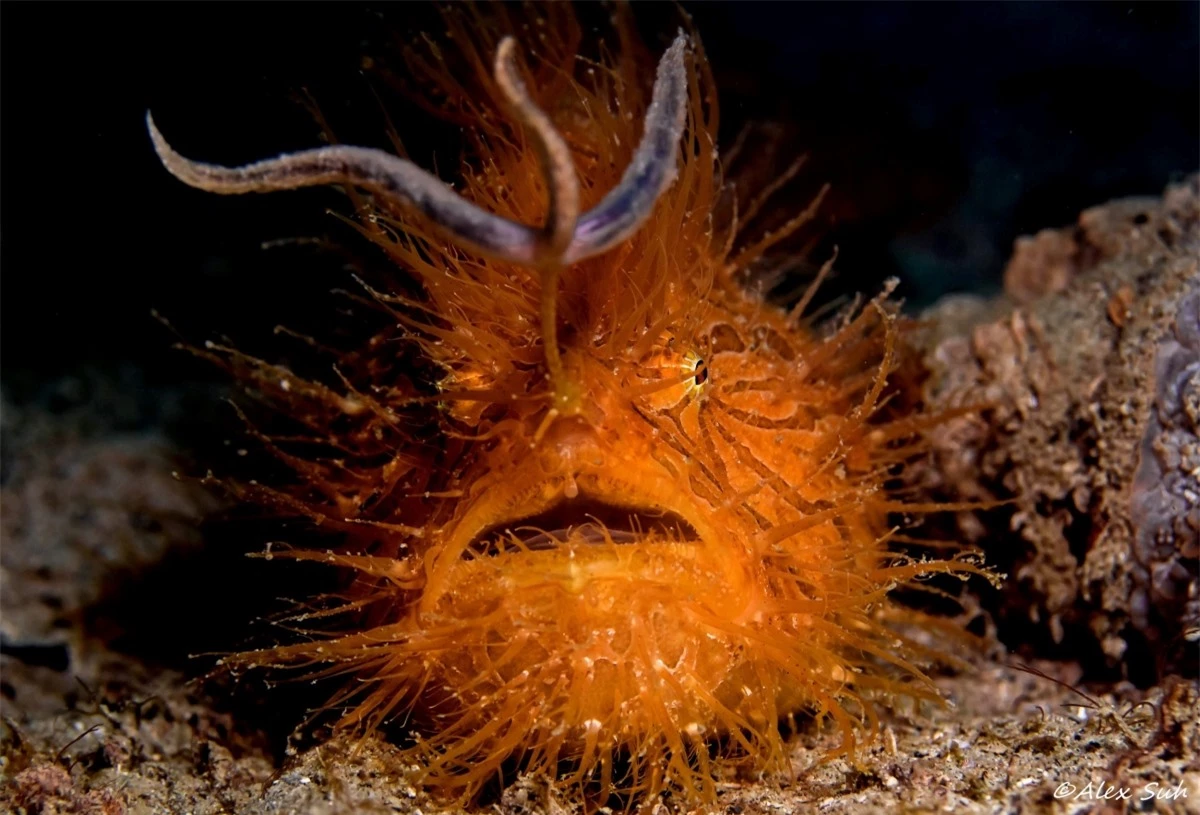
{"x": 946, "y": 129}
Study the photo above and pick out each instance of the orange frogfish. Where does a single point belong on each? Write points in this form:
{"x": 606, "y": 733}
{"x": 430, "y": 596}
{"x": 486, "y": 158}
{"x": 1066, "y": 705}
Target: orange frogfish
{"x": 626, "y": 515}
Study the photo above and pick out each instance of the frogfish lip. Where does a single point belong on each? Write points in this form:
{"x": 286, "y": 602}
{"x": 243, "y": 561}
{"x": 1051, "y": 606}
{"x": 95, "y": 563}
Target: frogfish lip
{"x": 637, "y": 504}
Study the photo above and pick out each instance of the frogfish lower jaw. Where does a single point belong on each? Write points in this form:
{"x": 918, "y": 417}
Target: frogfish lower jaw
{"x": 610, "y": 619}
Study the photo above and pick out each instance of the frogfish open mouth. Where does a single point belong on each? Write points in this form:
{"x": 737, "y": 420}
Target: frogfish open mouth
{"x": 611, "y": 515}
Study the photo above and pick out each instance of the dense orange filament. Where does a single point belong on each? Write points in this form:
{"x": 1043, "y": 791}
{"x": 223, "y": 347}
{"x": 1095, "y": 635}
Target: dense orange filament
{"x": 644, "y": 515}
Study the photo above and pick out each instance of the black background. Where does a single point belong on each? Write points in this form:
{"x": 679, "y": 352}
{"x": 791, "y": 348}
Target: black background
{"x": 946, "y": 129}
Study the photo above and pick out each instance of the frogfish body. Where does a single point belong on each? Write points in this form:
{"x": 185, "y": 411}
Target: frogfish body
{"x": 626, "y": 515}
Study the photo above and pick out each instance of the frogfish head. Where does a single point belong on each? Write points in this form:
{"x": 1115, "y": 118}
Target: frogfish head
{"x": 634, "y": 514}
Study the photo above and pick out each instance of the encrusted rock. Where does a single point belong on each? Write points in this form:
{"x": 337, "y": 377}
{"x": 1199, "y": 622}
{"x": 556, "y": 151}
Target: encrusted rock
{"x": 1091, "y": 377}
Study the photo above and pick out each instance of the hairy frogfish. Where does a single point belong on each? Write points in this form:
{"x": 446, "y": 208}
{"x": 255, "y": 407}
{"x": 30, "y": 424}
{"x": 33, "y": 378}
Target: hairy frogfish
{"x": 609, "y": 515}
